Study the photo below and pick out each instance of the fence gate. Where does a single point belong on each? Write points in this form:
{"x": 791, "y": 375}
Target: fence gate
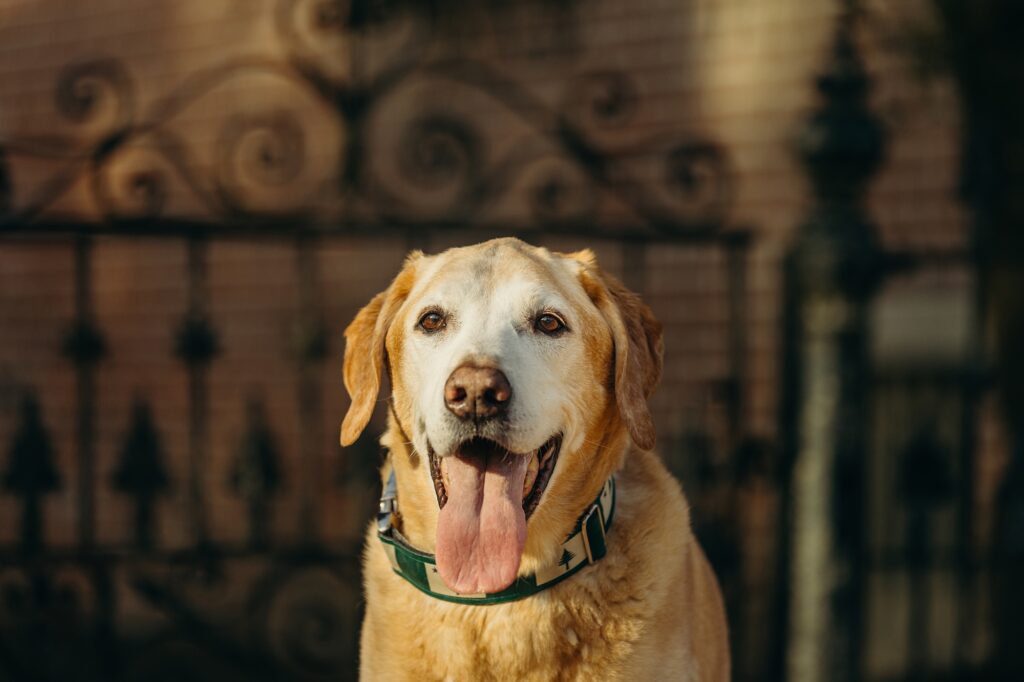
{"x": 380, "y": 140}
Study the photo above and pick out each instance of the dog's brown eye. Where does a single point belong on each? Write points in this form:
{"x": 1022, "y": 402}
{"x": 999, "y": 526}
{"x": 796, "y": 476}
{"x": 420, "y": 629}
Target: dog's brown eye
{"x": 432, "y": 321}
{"x": 549, "y": 324}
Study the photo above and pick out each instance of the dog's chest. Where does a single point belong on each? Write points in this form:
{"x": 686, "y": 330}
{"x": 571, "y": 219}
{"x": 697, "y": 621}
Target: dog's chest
{"x": 545, "y": 637}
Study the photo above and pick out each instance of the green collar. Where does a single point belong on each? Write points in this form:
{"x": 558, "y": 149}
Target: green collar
{"x": 584, "y": 546}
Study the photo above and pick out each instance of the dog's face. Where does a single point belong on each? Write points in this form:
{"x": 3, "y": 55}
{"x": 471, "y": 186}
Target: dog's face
{"x": 510, "y": 366}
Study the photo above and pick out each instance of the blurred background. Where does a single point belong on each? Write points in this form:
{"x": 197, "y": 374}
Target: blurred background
{"x": 816, "y": 197}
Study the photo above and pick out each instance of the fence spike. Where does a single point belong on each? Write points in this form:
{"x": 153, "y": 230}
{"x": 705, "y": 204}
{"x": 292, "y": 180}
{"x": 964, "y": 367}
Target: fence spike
{"x": 140, "y": 471}
{"x": 256, "y": 474}
{"x": 30, "y": 471}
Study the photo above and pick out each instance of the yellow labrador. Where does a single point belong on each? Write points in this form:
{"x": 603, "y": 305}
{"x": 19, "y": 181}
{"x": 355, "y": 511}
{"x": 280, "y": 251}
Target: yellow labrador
{"x": 527, "y": 532}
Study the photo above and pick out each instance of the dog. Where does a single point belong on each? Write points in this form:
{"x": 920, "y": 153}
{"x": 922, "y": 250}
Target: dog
{"x": 527, "y": 531}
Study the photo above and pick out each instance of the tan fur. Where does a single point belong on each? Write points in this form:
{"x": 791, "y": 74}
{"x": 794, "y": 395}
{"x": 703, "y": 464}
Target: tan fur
{"x": 638, "y": 350}
{"x": 364, "y": 351}
{"x": 651, "y": 609}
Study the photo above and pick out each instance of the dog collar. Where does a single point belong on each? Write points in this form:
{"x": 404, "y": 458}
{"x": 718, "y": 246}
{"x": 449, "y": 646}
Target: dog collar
{"x": 584, "y": 546}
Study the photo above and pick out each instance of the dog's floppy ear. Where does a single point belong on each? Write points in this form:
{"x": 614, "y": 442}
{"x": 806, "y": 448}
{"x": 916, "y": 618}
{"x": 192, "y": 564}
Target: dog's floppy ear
{"x": 364, "y": 349}
{"x": 638, "y": 346}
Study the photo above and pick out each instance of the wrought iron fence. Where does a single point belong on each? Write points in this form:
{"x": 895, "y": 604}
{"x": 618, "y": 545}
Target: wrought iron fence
{"x": 258, "y": 608}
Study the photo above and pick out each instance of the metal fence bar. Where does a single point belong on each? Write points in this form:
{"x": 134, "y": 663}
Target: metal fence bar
{"x": 85, "y": 347}
{"x": 971, "y": 391}
{"x": 736, "y": 254}
{"x": 312, "y": 341}
{"x": 197, "y": 345}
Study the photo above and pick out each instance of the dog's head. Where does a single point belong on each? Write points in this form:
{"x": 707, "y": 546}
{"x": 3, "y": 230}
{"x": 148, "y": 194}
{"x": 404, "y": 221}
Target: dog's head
{"x": 517, "y": 373}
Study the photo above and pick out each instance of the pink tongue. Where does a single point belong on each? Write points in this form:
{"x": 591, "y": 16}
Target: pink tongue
{"x": 482, "y": 528}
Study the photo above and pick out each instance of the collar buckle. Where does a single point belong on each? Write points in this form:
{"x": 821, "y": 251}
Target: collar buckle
{"x": 592, "y": 533}
{"x": 388, "y": 504}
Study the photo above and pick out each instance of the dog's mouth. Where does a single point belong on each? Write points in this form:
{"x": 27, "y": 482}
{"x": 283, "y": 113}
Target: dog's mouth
{"x": 538, "y": 473}
{"x": 485, "y": 493}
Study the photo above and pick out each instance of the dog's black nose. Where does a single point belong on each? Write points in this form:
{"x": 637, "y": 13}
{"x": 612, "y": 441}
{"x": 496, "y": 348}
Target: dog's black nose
{"x": 477, "y": 392}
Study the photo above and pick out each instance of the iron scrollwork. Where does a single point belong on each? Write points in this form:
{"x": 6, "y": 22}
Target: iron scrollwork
{"x": 443, "y": 164}
{"x": 407, "y": 139}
